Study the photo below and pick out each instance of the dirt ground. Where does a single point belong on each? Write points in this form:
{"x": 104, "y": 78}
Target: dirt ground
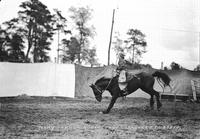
{"x": 40, "y": 117}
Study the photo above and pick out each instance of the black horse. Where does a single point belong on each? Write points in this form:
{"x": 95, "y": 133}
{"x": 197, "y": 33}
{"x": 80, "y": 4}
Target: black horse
{"x": 141, "y": 80}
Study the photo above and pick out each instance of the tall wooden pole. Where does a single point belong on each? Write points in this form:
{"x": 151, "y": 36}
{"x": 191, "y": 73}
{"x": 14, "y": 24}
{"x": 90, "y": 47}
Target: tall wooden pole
{"x": 199, "y": 48}
{"x": 113, "y": 17}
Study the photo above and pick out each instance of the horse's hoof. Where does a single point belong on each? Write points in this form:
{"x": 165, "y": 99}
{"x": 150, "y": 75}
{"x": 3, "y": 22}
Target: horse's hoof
{"x": 105, "y": 112}
{"x": 159, "y": 107}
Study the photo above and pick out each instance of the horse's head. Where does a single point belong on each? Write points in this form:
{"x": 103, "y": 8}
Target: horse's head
{"x": 99, "y": 87}
{"x": 97, "y": 92}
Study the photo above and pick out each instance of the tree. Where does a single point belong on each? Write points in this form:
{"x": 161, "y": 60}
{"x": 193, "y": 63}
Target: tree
{"x": 148, "y": 66}
{"x": 136, "y": 43}
{"x": 37, "y": 21}
{"x": 15, "y": 34}
{"x": 3, "y": 40}
{"x": 197, "y": 68}
{"x": 60, "y": 26}
{"x": 81, "y": 16}
{"x": 72, "y": 51}
{"x": 165, "y": 68}
{"x": 15, "y": 48}
{"x": 118, "y": 42}
{"x": 11, "y": 43}
{"x": 72, "y": 47}
{"x": 175, "y": 66}
{"x": 90, "y": 57}
{"x": 60, "y": 22}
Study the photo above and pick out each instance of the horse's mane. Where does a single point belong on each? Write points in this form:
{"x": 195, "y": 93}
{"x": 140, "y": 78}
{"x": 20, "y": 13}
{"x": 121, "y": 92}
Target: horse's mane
{"x": 100, "y": 81}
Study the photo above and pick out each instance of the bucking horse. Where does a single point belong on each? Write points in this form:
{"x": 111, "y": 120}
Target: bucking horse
{"x": 144, "y": 81}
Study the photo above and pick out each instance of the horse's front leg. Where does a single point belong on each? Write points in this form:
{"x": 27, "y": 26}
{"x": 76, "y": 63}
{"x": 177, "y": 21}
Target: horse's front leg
{"x": 112, "y": 102}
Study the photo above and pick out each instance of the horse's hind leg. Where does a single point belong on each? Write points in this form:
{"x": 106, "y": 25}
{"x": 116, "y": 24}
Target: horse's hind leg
{"x": 151, "y": 93}
{"x": 152, "y": 102}
{"x": 159, "y": 104}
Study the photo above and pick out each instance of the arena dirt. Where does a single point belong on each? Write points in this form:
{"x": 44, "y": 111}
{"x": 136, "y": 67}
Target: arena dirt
{"x": 41, "y": 117}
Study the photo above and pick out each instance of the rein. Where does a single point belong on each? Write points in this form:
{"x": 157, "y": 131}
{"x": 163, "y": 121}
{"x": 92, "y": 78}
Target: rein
{"x": 101, "y": 91}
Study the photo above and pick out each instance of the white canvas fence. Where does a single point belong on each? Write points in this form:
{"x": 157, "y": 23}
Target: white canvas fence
{"x": 45, "y": 79}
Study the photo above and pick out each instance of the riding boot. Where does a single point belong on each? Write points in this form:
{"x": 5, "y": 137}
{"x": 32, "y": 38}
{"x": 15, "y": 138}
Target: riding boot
{"x": 124, "y": 92}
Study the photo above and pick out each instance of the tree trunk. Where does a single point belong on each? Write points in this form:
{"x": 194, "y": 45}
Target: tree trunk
{"x": 29, "y": 39}
{"x": 80, "y": 44}
{"x": 27, "y": 54}
{"x": 35, "y": 54}
{"x": 133, "y": 58}
{"x": 79, "y": 53}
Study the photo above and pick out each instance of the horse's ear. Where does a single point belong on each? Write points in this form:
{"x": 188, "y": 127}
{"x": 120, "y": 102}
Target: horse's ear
{"x": 90, "y": 85}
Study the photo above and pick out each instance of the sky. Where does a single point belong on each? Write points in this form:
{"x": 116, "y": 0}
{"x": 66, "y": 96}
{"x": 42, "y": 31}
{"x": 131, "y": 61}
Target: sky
{"x": 171, "y": 26}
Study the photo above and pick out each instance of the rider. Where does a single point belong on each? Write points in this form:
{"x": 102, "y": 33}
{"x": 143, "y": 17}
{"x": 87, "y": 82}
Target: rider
{"x": 121, "y": 62}
{"x": 121, "y": 70}
{"x": 105, "y": 73}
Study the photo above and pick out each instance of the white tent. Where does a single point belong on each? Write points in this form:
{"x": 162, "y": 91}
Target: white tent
{"x": 45, "y": 79}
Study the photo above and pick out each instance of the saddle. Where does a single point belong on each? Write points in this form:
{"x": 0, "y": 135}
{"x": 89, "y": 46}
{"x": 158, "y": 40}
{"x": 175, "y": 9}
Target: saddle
{"x": 124, "y": 78}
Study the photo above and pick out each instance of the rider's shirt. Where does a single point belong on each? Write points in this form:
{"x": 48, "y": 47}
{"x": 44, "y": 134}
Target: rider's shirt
{"x": 121, "y": 63}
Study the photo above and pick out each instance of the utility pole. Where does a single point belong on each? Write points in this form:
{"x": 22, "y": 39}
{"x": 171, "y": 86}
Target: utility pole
{"x": 113, "y": 17}
{"x": 199, "y": 48}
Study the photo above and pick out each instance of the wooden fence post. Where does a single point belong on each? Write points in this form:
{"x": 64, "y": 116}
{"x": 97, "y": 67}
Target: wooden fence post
{"x": 194, "y": 90}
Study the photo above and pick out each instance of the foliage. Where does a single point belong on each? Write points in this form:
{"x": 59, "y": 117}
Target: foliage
{"x": 60, "y": 25}
{"x": 136, "y": 43}
{"x": 3, "y": 40}
{"x": 33, "y": 27}
{"x": 175, "y": 66}
{"x": 81, "y": 16}
{"x": 72, "y": 47}
{"x": 165, "y": 68}
{"x": 90, "y": 57}
{"x": 76, "y": 50}
{"x": 11, "y": 45}
{"x": 72, "y": 51}
{"x": 37, "y": 21}
{"x": 60, "y": 21}
{"x": 15, "y": 48}
{"x": 118, "y": 44}
{"x": 148, "y": 66}
{"x": 197, "y": 68}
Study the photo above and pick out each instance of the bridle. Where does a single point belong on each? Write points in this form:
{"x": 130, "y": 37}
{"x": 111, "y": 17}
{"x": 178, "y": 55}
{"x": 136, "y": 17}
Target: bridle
{"x": 101, "y": 91}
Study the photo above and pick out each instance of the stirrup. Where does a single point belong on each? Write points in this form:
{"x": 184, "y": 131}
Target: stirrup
{"x": 124, "y": 92}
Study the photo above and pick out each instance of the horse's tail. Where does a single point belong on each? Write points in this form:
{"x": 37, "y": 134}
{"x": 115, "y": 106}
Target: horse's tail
{"x": 163, "y": 76}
